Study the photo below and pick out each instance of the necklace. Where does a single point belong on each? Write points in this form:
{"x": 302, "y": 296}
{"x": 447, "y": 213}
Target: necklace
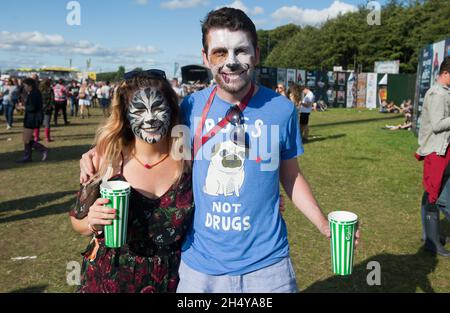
{"x": 150, "y": 166}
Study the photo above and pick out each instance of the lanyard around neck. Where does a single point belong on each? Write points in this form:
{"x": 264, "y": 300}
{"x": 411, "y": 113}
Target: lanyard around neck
{"x": 200, "y": 140}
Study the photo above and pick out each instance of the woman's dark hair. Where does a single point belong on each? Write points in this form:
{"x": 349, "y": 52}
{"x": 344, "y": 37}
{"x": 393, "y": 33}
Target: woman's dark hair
{"x": 231, "y": 19}
{"x": 30, "y": 82}
{"x": 445, "y": 65}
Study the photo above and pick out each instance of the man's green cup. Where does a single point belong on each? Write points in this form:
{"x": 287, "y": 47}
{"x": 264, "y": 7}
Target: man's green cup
{"x": 343, "y": 226}
{"x": 118, "y": 193}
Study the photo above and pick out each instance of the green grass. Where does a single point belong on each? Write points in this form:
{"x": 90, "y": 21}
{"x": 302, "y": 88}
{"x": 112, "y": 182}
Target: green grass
{"x": 352, "y": 164}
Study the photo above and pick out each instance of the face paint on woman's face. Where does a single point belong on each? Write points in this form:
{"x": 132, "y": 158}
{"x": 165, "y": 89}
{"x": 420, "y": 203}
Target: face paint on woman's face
{"x": 231, "y": 57}
{"x": 149, "y": 115}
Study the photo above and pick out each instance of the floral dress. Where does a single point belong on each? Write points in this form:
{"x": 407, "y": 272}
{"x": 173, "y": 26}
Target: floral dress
{"x": 149, "y": 261}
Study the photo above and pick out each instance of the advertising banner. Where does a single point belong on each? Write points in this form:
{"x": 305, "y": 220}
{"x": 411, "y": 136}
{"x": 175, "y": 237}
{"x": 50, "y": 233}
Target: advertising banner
{"x": 291, "y": 76}
{"x": 387, "y": 67}
{"x": 371, "y": 94}
{"x": 438, "y": 57}
{"x": 301, "y": 77}
{"x": 351, "y": 91}
{"x": 281, "y": 76}
{"x": 361, "y": 90}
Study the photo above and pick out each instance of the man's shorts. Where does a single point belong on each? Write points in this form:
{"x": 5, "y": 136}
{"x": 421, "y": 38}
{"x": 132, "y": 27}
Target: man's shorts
{"x": 304, "y": 118}
{"x": 105, "y": 102}
{"x": 276, "y": 278}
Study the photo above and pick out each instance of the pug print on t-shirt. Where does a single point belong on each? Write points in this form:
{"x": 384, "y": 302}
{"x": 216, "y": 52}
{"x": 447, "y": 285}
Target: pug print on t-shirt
{"x": 226, "y": 170}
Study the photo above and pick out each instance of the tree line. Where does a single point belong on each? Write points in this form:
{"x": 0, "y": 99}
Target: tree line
{"x": 349, "y": 41}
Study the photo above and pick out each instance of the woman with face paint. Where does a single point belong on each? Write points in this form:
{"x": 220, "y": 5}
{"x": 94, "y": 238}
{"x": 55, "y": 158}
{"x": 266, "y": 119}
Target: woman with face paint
{"x": 134, "y": 145}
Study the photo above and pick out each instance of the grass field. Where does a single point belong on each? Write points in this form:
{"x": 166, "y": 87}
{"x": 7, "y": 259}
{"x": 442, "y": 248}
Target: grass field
{"x": 351, "y": 163}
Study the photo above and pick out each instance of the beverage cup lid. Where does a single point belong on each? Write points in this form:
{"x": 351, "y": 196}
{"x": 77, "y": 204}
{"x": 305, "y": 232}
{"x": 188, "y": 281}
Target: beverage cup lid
{"x": 115, "y": 186}
{"x": 342, "y": 217}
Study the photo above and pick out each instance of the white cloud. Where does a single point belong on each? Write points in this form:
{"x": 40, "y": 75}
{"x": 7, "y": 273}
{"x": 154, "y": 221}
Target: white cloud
{"x": 56, "y": 45}
{"x": 183, "y": 4}
{"x": 302, "y": 16}
{"x": 34, "y": 38}
{"x": 238, "y": 4}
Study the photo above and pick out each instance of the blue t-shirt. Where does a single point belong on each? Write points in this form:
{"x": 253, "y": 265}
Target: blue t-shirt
{"x": 237, "y": 224}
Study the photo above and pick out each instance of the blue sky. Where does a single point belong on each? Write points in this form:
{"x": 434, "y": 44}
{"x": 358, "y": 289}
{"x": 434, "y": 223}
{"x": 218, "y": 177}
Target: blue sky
{"x": 145, "y": 33}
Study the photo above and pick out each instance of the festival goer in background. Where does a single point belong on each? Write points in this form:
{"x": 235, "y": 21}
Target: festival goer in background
{"x": 106, "y": 98}
{"x": 98, "y": 93}
{"x": 74, "y": 90}
{"x": 60, "y": 92}
{"x": 35, "y": 76}
{"x": 434, "y": 134}
{"x": 33, "y": 119}
{"x": 281, "y": 89}
{"x": 295, "y": 94}
{"x": 84, "y": 99}
{"x": 93, "y": 92}
{"x": 48, "y": 104}
{"x": 10, "y": 99}
{"x": 392, "y": 108}
{"x": 407, "y": 109}
{"x": 178, "y": 90}
{"x": 306, "y": 108}
{"x": 161, "y": 204}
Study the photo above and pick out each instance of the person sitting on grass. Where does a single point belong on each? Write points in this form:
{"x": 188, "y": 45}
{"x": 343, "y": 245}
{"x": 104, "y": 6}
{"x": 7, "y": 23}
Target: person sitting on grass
{"x": 135, "y": 145}
{"x": 392, "y": 108}
{"x": 406, "y": 109}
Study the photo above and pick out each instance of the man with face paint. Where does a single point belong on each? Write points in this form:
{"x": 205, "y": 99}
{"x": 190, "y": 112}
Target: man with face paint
{"x": 238, "y": 242}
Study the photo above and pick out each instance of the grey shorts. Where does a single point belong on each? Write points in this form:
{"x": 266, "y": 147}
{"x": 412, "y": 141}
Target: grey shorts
{"x": 276, "y": 278}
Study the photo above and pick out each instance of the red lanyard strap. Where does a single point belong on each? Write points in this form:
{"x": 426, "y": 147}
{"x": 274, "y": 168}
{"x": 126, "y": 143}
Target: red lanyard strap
{"x": 200, "y": 140}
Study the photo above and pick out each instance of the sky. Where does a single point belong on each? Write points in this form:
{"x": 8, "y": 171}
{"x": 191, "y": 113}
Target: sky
{"x": 133, "y": 33}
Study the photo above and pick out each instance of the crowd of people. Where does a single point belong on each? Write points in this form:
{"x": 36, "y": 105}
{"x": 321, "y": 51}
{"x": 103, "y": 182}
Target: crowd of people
{"x": 41, "y": 100}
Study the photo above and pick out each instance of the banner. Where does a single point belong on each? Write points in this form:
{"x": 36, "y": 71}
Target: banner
{"x": 361, "y": 90}
{"x": 321, "y": 86}
{"x": 267, "y": 77}
{"x": 281, "y": 76}
{"x": 311, "y": 79}
{"x": 291, "y": 76}
{"x": 371, "y": 97}
{"x": 424, "y": 81}
{"x": 387, "y": 67}
{"x": 351, "y": 90}
{"x": 438, "y": 57}
{"x": 331, "y": 92}
{"x": 301, "y": 77}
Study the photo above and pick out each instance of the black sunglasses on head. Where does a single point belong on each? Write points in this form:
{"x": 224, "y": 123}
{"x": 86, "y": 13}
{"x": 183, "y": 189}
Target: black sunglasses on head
{"x": 152, "y": 73}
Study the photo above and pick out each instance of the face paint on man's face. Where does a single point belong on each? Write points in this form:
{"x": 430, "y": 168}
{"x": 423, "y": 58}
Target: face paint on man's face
{"x": 149, "y": 115}
{"x": 231, "y": 57}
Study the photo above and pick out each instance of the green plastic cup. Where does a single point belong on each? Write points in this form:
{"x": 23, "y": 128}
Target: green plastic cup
{"x": 118, "y": 193}
{"x": 343, "y": 226}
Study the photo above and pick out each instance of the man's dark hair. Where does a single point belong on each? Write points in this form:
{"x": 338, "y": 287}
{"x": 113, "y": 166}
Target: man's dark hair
{"x": 445, "y": 65}
{"x": 30, "y": 82}
{"x": 107, "y": 83}
{"x": 231, "y": 19}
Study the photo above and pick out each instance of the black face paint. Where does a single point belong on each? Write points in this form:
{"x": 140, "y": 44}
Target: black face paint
{"x": 149, "y": 115}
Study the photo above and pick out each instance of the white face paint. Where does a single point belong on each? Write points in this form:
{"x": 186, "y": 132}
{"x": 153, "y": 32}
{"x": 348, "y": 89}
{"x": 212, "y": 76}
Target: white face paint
{"x": 149, "y": 115}
{"x": 231, "y": 58}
